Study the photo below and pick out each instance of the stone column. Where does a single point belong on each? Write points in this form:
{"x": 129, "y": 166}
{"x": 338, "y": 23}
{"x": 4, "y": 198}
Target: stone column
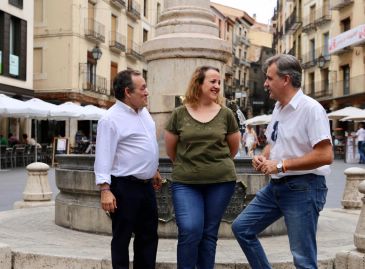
{"x": 37, "y": 191}
{"x": 355, "y": 259}
{"x": 186, "y": 37}
{"x": 351, "y": 198}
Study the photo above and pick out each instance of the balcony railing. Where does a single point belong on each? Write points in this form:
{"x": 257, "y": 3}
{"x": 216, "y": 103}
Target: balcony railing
{"x": 318, "y": 89}
{"x": 245, "y": 63}
{"x": 94, "y": 30}
{"x": 236, "y": 61}
{"x": 134, "y": 51}
{"x": 308, "y": 24}
{"x": 134, "y": 10}
{"x": 323, "y": 15}
{"x": 117, "y": 42}
{"x": 118, "y": 3}
{"x": 338, "y": 4}
{"x": 90, "y": 82}
{"x": 245, "y": 41}
{"x": 228, "y": 70}
{"x": 293, "y": 22}
{"x": 352, "y": 86}
{"x": 311, "y": 59}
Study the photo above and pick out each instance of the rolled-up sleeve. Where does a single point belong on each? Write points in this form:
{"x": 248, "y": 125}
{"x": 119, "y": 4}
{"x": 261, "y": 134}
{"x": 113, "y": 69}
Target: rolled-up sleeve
{"x": 106, "y": 145}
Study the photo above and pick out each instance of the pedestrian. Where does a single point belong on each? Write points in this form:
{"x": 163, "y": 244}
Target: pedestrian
{"x": 249, "y": 140}
{"x": 126, "y": 163}
{"x": 201, "y": 138}
{"x": 360, "y": 134}
{"x": 297, "y": 158}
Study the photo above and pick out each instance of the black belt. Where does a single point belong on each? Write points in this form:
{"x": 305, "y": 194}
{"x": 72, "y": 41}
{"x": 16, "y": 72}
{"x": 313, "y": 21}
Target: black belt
{"x": 133, "y": 179}
{"x": 286, "y": 179}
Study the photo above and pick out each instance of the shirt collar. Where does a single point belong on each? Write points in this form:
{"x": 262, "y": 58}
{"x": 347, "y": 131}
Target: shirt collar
{"x": 294, "y": 102}
{"x": 126, "y": 107}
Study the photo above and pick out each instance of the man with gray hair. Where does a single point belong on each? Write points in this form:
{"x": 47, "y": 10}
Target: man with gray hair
{"x": 297, "y": 158}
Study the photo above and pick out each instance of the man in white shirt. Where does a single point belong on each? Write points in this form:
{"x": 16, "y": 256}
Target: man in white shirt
{"x": 297, "y": 158}
{"x": 360, "y": 134}
{"x": 126, "y": 170}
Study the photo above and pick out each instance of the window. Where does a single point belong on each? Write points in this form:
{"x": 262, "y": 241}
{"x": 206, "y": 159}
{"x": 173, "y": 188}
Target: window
{"x": 325, "y": 80}
{"x": 311, "y": 84}
{"x": 145, "y": 35}
{"x": 144, "y": 74}
{"x": 130, "y": 39}
{"x": 37, "y": 61}
{"x": 345, "y": 24}
{"x": 325, "y": 52}
{"x": 113, "y": 73}
{"x": 145, "y": 8}
{"x": 38, "y": 11}
{"x": 312, "y": 14}
{"x": 158, "y": 12}
{"x": 312, "y": 52}
{"x": 346, "y": 79}
{"x": 113, "y": 35}
{"x": 17, "y": 3}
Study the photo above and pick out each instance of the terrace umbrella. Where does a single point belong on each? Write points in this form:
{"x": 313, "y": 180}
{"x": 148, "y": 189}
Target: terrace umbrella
{"x": 259, "y": 120}
{"x": 91, "y": 113}
{"x": 344, "y": 112}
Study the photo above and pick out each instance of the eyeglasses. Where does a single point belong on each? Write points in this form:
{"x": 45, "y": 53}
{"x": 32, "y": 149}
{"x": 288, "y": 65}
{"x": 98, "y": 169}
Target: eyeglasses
{"x": 274, "y": 134}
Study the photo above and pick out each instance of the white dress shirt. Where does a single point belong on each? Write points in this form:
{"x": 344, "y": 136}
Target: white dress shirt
{"x": 302, "y": 124}
{"x": 126, "y": 144}
{"x": 360, "y": 134}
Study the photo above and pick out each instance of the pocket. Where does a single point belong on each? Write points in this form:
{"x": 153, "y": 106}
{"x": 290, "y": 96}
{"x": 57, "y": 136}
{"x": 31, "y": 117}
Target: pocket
{"x": 321, "y": 194}
{"x": 298, "y": 185}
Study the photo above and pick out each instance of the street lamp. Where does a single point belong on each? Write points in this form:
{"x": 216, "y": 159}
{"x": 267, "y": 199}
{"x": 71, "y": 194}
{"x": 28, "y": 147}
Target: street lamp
{"x": 96, "y": 53}
{"x": 321, "y": 61}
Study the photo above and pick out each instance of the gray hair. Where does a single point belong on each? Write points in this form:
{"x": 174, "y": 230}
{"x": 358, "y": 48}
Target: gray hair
{"x": 286, "y": 65}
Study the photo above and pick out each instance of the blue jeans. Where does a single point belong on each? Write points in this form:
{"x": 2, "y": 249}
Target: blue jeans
{"x": 360, "y": 146}
{"x": 299, "y": 200}
{"x": 198, "y": 211}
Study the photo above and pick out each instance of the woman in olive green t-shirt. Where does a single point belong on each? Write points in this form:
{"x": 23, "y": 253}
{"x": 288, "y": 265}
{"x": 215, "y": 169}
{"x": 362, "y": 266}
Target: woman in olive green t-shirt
{"x": 202, "y": 137}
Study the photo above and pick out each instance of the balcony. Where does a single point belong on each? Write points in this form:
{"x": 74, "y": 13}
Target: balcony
{"x": 353, "y": 86}
{"x": 245, "y": 63}
{"x": 229, "y": 70}
{"x": 117, "y": 42}
{"x": 323, "y": 15}
{"x": 94, "y": 31}
{"x": 90, "y": 82}
{"x": 338, "y": 4}
{"x": 244, "y": 40}
{"x": 236, "y": 61}
{"x": 293, "y": 22}
{"x": 118, "y": 3}
{"x": 134, "y": 51}
{"x": 319, "y": 89}
{"x": 308, "y": 24}
{"x": 311, "y": 59}
{"x": 134, "y": 10}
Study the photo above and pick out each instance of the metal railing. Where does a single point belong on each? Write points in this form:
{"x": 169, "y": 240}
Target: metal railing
{"x": 352, "y": 86}
{"x": 236, "y": 61}
{"x": 323, "y": 15}
{"x": 244, "y": 40}
{"x": 245, "y": 62}
{"x": 310, "y": 59}
{"x": 338, "y": 4}
{"x": 118, "y": 3}
{"x": 134, "y": 50}
{"x": 318, "y": 89}
{"x": 117, "y": 41}
{"x": 293, "y": 22}
{"x": 94, "y": 30}
{"x": 134, "y": 9}
{"x": 92, "y": 82}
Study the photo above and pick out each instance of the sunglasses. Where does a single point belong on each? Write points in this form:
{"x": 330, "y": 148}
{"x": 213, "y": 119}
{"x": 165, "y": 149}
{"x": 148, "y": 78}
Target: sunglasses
{"x": 274, "y": 134}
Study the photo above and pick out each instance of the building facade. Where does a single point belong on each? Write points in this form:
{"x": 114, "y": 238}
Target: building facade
{"x": 76, "y": 59}
{"x": 16, "y": 58}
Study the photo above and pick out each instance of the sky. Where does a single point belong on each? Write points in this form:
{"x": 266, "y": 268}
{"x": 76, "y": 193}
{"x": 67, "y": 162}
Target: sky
{"x": 264, "y": 9}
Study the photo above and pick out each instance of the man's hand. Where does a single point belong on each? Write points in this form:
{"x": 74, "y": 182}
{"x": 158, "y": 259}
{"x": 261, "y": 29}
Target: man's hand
{"x": 268, "y": 167}
{"x": 258, "y": 161}
{"x": 107, "y": 199}
{"x": 157, "y": 181}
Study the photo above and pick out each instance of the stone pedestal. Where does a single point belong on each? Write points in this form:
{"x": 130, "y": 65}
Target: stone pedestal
{"x": 351, "y": 196}
{"x": 37, "y": 191}
{"x": 355, "y": 259}
{"x": 186, "y": 37}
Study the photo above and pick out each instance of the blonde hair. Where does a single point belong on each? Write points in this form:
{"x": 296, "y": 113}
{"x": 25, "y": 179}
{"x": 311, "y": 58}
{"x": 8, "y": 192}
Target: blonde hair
{"x": 193, "y": 91}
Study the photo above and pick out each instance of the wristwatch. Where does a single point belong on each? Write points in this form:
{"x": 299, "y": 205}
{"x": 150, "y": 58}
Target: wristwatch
{"x": 279, "y": 166}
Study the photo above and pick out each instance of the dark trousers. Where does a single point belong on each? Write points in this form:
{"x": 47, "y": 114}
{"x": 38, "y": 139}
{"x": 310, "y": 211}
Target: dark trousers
{"x": 136, "y": 213}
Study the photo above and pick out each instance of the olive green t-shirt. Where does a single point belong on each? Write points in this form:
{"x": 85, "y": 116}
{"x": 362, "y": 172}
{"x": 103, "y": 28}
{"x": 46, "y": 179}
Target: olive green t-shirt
{"x": 202, "y": 152}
